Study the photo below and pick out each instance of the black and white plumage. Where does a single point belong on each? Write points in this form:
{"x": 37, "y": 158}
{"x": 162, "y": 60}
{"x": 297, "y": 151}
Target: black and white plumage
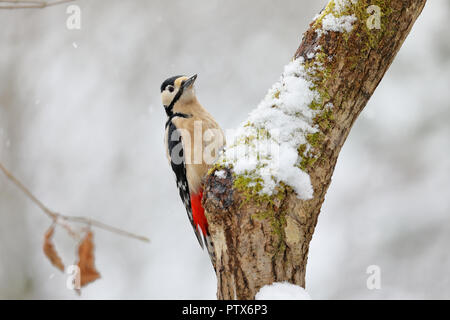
{"x": 175, "y": 147}
{"x": 185, "y": 155}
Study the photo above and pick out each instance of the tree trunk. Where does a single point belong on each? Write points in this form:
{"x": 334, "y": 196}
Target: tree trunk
{"x": 254, "y": 248}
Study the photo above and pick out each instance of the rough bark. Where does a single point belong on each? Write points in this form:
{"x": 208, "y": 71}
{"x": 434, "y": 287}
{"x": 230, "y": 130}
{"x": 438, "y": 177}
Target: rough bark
{"x": 253, "y": 252}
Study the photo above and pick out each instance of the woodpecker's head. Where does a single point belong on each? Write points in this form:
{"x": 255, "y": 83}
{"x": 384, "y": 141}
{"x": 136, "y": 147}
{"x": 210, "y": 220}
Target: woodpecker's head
{"x": 177, "y": 89}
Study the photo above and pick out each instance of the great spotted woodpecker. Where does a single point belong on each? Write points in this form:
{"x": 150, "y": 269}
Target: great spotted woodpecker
{"x": 193, "y": 139}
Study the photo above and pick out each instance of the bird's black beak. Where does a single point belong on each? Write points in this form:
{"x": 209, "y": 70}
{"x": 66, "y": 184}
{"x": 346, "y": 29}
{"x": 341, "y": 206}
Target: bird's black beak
{"x": 189, "y": 82}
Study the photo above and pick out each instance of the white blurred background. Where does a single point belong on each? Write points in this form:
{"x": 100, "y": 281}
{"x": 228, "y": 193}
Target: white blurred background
{"x": 81, "y": 124}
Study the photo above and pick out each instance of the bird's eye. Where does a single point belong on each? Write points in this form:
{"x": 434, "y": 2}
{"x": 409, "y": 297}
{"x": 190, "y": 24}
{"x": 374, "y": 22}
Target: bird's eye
{"x": 170, "y": 88}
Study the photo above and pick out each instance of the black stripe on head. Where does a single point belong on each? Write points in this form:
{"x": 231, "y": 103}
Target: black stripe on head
{"x": 169, "y": 81}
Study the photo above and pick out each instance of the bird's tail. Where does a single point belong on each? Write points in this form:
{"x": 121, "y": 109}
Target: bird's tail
{"x": 201, "y": 224}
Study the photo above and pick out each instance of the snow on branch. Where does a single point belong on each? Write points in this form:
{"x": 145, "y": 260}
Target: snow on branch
{"x": 265, "y": 148}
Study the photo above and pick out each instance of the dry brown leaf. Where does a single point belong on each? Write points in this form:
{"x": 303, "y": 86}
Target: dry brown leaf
{"x": 88, "y": 273}
{"x": 50, "y": 251}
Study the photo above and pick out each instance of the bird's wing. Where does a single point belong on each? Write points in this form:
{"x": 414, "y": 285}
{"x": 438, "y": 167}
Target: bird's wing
{"x": 177, "y": 161}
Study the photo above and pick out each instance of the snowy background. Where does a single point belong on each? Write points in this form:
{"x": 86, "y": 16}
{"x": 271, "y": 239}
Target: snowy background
{"x": 81, "y": 124}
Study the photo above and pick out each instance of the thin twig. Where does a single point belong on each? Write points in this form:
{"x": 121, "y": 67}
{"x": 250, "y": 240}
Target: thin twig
{"x": 27, "y": 192}
{"x": 101, "y": 225}
{"x": 29, "y": 4}
{"x": 58, "y": 218}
